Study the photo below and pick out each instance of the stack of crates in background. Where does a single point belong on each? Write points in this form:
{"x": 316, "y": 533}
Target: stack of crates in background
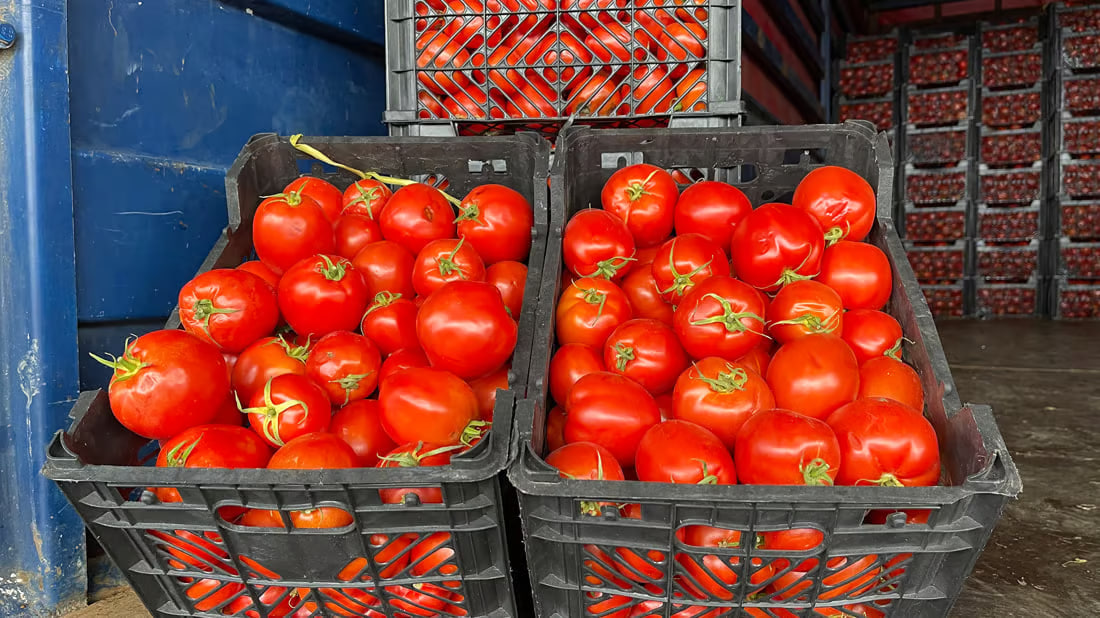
{"x": 868, "y": 78}
{"x": 937, "y": 167}
{"x": 1008, "y": 274}
{"x": 1074, "y": 164}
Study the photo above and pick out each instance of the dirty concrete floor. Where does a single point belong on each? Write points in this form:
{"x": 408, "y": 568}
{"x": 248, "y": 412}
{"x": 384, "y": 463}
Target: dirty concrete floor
{"x": 1043, "y": 380}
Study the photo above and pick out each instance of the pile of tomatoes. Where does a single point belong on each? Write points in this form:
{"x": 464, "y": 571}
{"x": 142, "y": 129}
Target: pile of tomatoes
{"x": 511, "y": 59}
{"x": 701, "y": 341}
{"x": 1013, "y": 70}
{"x": 373, "y": 331}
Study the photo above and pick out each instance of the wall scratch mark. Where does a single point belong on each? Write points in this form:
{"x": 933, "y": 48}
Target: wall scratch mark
{"x": 150, "y": 214}
{"x": 29, "y": 371}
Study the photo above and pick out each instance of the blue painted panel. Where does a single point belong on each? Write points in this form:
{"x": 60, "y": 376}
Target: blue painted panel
{"x": 357, "y": 20}
{"x": 106, "y": 338}
{"x": 41, "y": 538}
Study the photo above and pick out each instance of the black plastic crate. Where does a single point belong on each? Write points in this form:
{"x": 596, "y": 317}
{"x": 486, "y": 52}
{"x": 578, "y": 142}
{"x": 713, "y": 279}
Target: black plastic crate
{"x": 1012, "y": 109}
{"x": 1012, "y": 69}
{"x": 938, "y": 147}
{"x": 1011, "y": 263}
{"x": 937, "y": 262}
{"x": 880, "y": 112}
{"x": 1012, "y": 186}
{"x": 1077, "y": 18}
{"x": 935, "y": 224}
{"x": 939, "y": 67}
{"x": 169, "y": 552}
{"x": 1077, "y": 261}
{"x": 1019, "y": 36}
{"x": 934, "y": 107}
{"x": 1077, "y": 220}
{"x": 936, "y": 187}
{"x": 1079, "y": 95}
{"x": 1005, "y": 300}
{"x": 1080, "y": 137}
{"x": 1014, "y": 148}
{"x": 1080, "y": 51}
{"x": 1073, "y": 301}
{"x": 947, "y": 300}
{"x": 860, "y": 49}
{"x": 1009, "y": 224}
{"x": 1080, "y": 179}
{"x": 867, "y": 80}
{"x": 565, "y": 547}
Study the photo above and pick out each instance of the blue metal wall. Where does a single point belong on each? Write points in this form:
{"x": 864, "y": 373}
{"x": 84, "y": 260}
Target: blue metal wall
{"x": 118, "y": 119}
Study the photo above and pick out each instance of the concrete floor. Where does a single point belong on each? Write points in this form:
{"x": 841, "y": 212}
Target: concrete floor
{"x": 1043, "y": 381}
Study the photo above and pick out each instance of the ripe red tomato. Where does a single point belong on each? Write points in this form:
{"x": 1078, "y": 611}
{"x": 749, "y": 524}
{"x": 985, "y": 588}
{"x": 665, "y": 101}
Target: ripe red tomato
{"x": 712, "y": 209}
{"x": 464, "y": 328}
{"x": 359, "y": 424}
{"x": 416, "y": 455}
{"x": 405, "y": 358}
{"x": 775, "y": 245}
{"x": 892, "y": 379}
{"x": 647, "y": 352}
{"x": 609, "y": 605}
{"x": 322, "y": 294}
{"x": 814, "y": 375}
{"x": 497, "y": 222}
{"x": 654, "y": 91}
{"x": 841, "y": 201}
{"x": 313, "y": 451}
{"x": 511, "y": 279}
{"x": 265, "y": 359}
{"x": 327, "y": 196}
{"x": 852, "y": 577}
{"x": 288, "y": 228}
{"x": 211, "y": 446}
{"x": 859, "y": 272}
{"x": 684, "y": 261}
{"x": 209, "y": 594}
{"x": 883, "y": 442}
{"x": 434, "y": 555}
{"x": 261, "y": 270}
{"x": 345, "y": 365}
{"x": 416, "y": 215}
{"x": 691, "y": 91}
{"x": 555, "y": 428}
{"x": 683, "y": 42}
{"x": 644, "y": 197}
{"x": 485, "y": 389}
{"x": 871, "y": 334}
{"x": 645, "y": 300}
{"x": 353, "y": 232}
{"x": 426, "y": 405}
{"x": 289, "y": 406}
{"x": 585, "y": 461}
{"x": 418, "y": 599}
{"x": 445, "y": 260}
{"x": 228, "y": 307}
{"x": 589, "y": 310}
{"x": 596, "y": 243}
{"x": 612, "y": 411}
{"x": 387, "y": 267}
{"x": 805, "y": 308}
{"x": 720, "y": 396}
{"x": 166, "y": 381}
{"x": 275, "y": 599}
{"x": 718, "y": 575}
{"x": 780, "y": 447}
{"x": 681, "y": 452}
{"x": 599, "y": 96}
{"x": 720, "y": 317}
{"x": 366, "y": 198}
{"x": 390, "y": 322}
{"x": 570, "y": 363}
{"x": 758, "y": 358}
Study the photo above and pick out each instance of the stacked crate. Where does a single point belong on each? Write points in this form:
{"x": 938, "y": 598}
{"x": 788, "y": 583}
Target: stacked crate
{"x": 1008, "y": 274}
{"x": 1074, "y": 165}
{"x": 868, "y": 78}
{"x": 937, "y": 167}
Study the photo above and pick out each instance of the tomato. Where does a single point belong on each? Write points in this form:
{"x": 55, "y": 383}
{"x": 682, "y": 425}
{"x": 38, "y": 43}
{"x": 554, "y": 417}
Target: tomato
{"x": 426, "y": 405}
{"x": 841, "y": 201}
{"x": 387, "y": 267}
{"x": 845, "y": 577}
{"x": 322, "y": 294}
{"x": 366, "y": 198}
{"x": 166, "y": 381}
{"x": 485, "y": 389}
{"x": 597, "y": 243}
{"x": 511, "y": 279}
{"x": 711, "y": 209}
{"x": 353, "y": 232}
{"x": 211, "y": 446}
{"x": 327, "y": 196}
{"x": 891, "y": 379}
{"x": 775, "y": 245}
{"x": 209, "y": 594}
{"x": 780, "y": 447}
{"x": 871, "y": 334}
{"x": 883, "y": 442}
{"x": 720, "y": 396}
{"x": 647, "y": 352}
{"x": 814, "y": 375}
{"x": 445, "y": 260}
{"x": 289, "y": 406}
{"x": 655, "y": 91}
{"x": 683, "y": 42}
{"x": 805, "y": 308}
{"x": 758, "y": 358}
{"x": 716, "y": 575}
{"x": 691, "y": 92}
{"x": 359, "y": 424}
{"x": 683, "y": 262}
{"x": 265, "y": 359}
{"x": 589, "y": 310}
{"x": 645, "y": 300}
{"x": 390, "y": 322}
{"x": 570, "y": 363}
{"x": 416, "y": 455}
{"x": 345, "y": 365}
{"x": 720, "y": 317}
{"x": 288, "y": 228}
{"x": 602, "y": 566}
{"x": 434, "y": 555}
{"x": 612, "y": 411}
{"x": 681, "y": 452}
{"x": 405, "y": 358}
{"x": 205, "y": 551}
{"x": 228, "y": 414}
{"x": 859, "y": 272}
{"x": 585, "y": 461}
{"x": 313, "y": 451}
{"x": 464, "y": 328}
{"x": 418, "y": 599}
{"x": 230, "y": 308}
{"x": 416, "y": 215}
{"x": 262, "y": 271}
{"x": 599, "y": 96}
{"x": 355, "y": 602}
{"x": 644, "y": 197}
{"x": 608, "y": 605}
{"x": 555, "y": 428}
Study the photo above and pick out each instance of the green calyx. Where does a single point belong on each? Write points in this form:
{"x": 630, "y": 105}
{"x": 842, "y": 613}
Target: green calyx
{"x": 895, "y": 351}
{"x": 349, "y": 383}
{"x": 271, "y": 412}
{"x": 469, "y": 212}
{"x": 204, "y": 309}
{"x": 297, "y": 352}
{"x": 177, "y": 459}
{"x": 682, "y": 281}
{"x": 610, "y": 267}
{"x": 413, "y": 458}
{"x": 474, "y": 431}
{"x": 333, "y": 271}
{"x": 447, "y": 265}
{"x": 125, "y": 367}
{"x": 366, "y": 197}
{"x": 635, "y": 190}
{"x": 729, "y": 318}
{"x": 623, "y": 355}
{"x": 834, "y": 234}
{"x": 816, "y": 472}
{"x": 592, "y": 296}
{"x": 729, "y": 381}
{"x": 813, "y": 324}
{"x": 382, "y": 299}
{"x": 708, "y": 478}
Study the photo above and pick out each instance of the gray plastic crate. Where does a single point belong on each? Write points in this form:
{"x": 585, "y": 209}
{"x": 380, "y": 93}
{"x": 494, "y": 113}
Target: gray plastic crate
{"x": 939, "y": 107}
{"x": 562, "y": 542}
{"x": 1074, "y": 301}
{"x": 1010, "y": 300}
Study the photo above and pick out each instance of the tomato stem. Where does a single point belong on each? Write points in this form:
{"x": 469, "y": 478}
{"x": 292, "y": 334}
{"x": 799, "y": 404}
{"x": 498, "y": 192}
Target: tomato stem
{"x": 333, "y": 271}
{"x": 126, "y": 367}
{"x": 349, "y": 383}
{"x": 729, "y": 318}
{"x": 412, "y": 459}
{"x": 681, "y": 282}
{"x": 592, "y": 296}
{"x": 895, "y": 351}
{"x": 623, "y": 355}
{"x": 610, "y": 267}
{"x": 175, "y": 458}
{"x": 204, "y": 309}
{"x": 271, "y": 412}
{"x": 726, "y": 382}
{"x": 708, "y": 479}
{"x": 366, "y": 196}
{"x": 473, "y": 431}
{"x": 635, "y": 190}
{"x": 812, "y": 323}
{"x": 382, "y": 299}
{"x": 299, "y": 353}
{"x": 790, "y": 275}
{"x": 468, "y": 213}
{"x": 447, "y": 265}
{"x": 835, "y": 234}
{"x": 888, "y": 480}
{"x": 816, "y": 472}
